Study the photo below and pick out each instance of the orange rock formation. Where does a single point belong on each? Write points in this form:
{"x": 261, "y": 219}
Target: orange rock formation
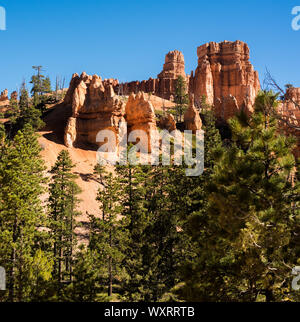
{"x": 225, "y": 77}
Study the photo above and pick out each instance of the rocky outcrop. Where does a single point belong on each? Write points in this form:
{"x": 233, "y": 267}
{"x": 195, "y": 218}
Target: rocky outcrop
{"x": 167, "y": 122}
{"x": 4, "y": 96}
{"x": 5, "y": 101}
{"x": 70, "y": 132}
{"x": 165, "y": 83}
{"x": 140, "y": 117}
{"x": 14, "y": 96}
{"x": 95, "y": 107}
{"x": 192, "y": 119}
{"x": 174, "y": 66}
{"x": 225, "y": 77}
{"x": 73, "y": 84}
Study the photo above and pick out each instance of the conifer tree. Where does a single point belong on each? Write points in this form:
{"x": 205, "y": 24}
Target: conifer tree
{"x": 135, "y": 220}
{"x": 28, "y": 113}
{"x": 46, "y": 85}
{"x": 167, "y": 246}
{"x": 250, "y": 223}
{"x": 86, "y": 282}
{"x": 14, "y": 111}
{"x": 106, "y": 231}
{"x": 62, "y": 217}
{"x": 22, "y": 219}
{"x": 181, "y": 98}
{"x": 37, "y": 85}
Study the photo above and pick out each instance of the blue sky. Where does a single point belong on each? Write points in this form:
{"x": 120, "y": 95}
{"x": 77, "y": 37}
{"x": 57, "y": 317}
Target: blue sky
{"x": 128, "y": 39}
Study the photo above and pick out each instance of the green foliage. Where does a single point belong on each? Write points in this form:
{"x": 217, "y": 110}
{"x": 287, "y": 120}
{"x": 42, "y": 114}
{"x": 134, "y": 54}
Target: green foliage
{"x": 62, "y": 214}
{"x": 181, "y": 98}
{"x": 106, "y": 235}
{"x": 21, "y": 217}
{"x": 231, "y": 234}
{"x": 250, "y": 228}
{"x": 23, "y": 113}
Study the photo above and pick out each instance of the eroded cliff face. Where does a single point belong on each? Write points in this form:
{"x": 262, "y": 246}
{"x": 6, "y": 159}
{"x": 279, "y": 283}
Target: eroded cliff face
{"x": 140, "y": 117}
{"x": 95, "y": 107}
{"x": 174, "y": 66}
{"x": 225, "y": 77}
{"x": 164, "y": 85}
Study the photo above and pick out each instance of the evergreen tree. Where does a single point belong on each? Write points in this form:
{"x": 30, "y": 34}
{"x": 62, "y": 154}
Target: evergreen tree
{"x": 22, "y": 219}
{"x": 250, "y": 224}
{"x": 46, "y": 85}
{"x": 24, "y": 98}
{"x": 106, "y": 232}
{"x": 166, "y": 245}
{"x": 181, "y": 98}
{"x": 85, "y": 286}
{"x": 62, "y": 217}
{"x": 28, "y": 113}
{"x": 14, "y": 111}
{"x": 135, "y": 220}
{"x": 37, "y": 85}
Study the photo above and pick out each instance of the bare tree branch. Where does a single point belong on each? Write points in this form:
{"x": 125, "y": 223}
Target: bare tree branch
{"x": 271, "y": 82}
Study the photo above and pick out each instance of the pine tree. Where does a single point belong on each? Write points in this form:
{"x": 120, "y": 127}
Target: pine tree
{"x": 106, "y": 231}
{"x": 24, "y": 98}
{"x": 181, "y": 98}
{"x": 166, "y": 244}
{"x": 22, "y": 219}
{"x": 85, "y": 286}
{"x": 135, "y": 220}
{"x": 62, "y": 217}
{"x": 14, "y": 111}
{"x": 37, "y": 85}
{"x": 46, "y": 85}
{"x": 250, "y": 224}
{"x": 28, "y": 113}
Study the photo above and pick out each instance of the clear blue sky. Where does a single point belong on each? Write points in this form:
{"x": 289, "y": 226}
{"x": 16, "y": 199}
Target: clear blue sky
{"x": 128, "y": 39}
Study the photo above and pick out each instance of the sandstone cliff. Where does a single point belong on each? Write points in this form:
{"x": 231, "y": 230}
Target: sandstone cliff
{"x": 165, "y": 83}
{"x": 225, "y": 77}
{"x": 95, "y": 107}
{"x": 140, "y": 116}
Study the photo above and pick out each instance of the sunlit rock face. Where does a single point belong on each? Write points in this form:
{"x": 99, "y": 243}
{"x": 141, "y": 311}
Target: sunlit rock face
{"x": 225, "y": 77}
{"x": 95, "y": 107}
{"x": 164, "y": 85}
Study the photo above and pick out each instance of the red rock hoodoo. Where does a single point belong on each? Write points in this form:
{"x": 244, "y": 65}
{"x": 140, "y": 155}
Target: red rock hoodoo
{"x": 225, "y": 77}
{"x": 95, "y": 107}
{"x": 164, "y": 85}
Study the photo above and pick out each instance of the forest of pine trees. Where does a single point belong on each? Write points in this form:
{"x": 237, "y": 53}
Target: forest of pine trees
{"x": 231, "y": 234}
